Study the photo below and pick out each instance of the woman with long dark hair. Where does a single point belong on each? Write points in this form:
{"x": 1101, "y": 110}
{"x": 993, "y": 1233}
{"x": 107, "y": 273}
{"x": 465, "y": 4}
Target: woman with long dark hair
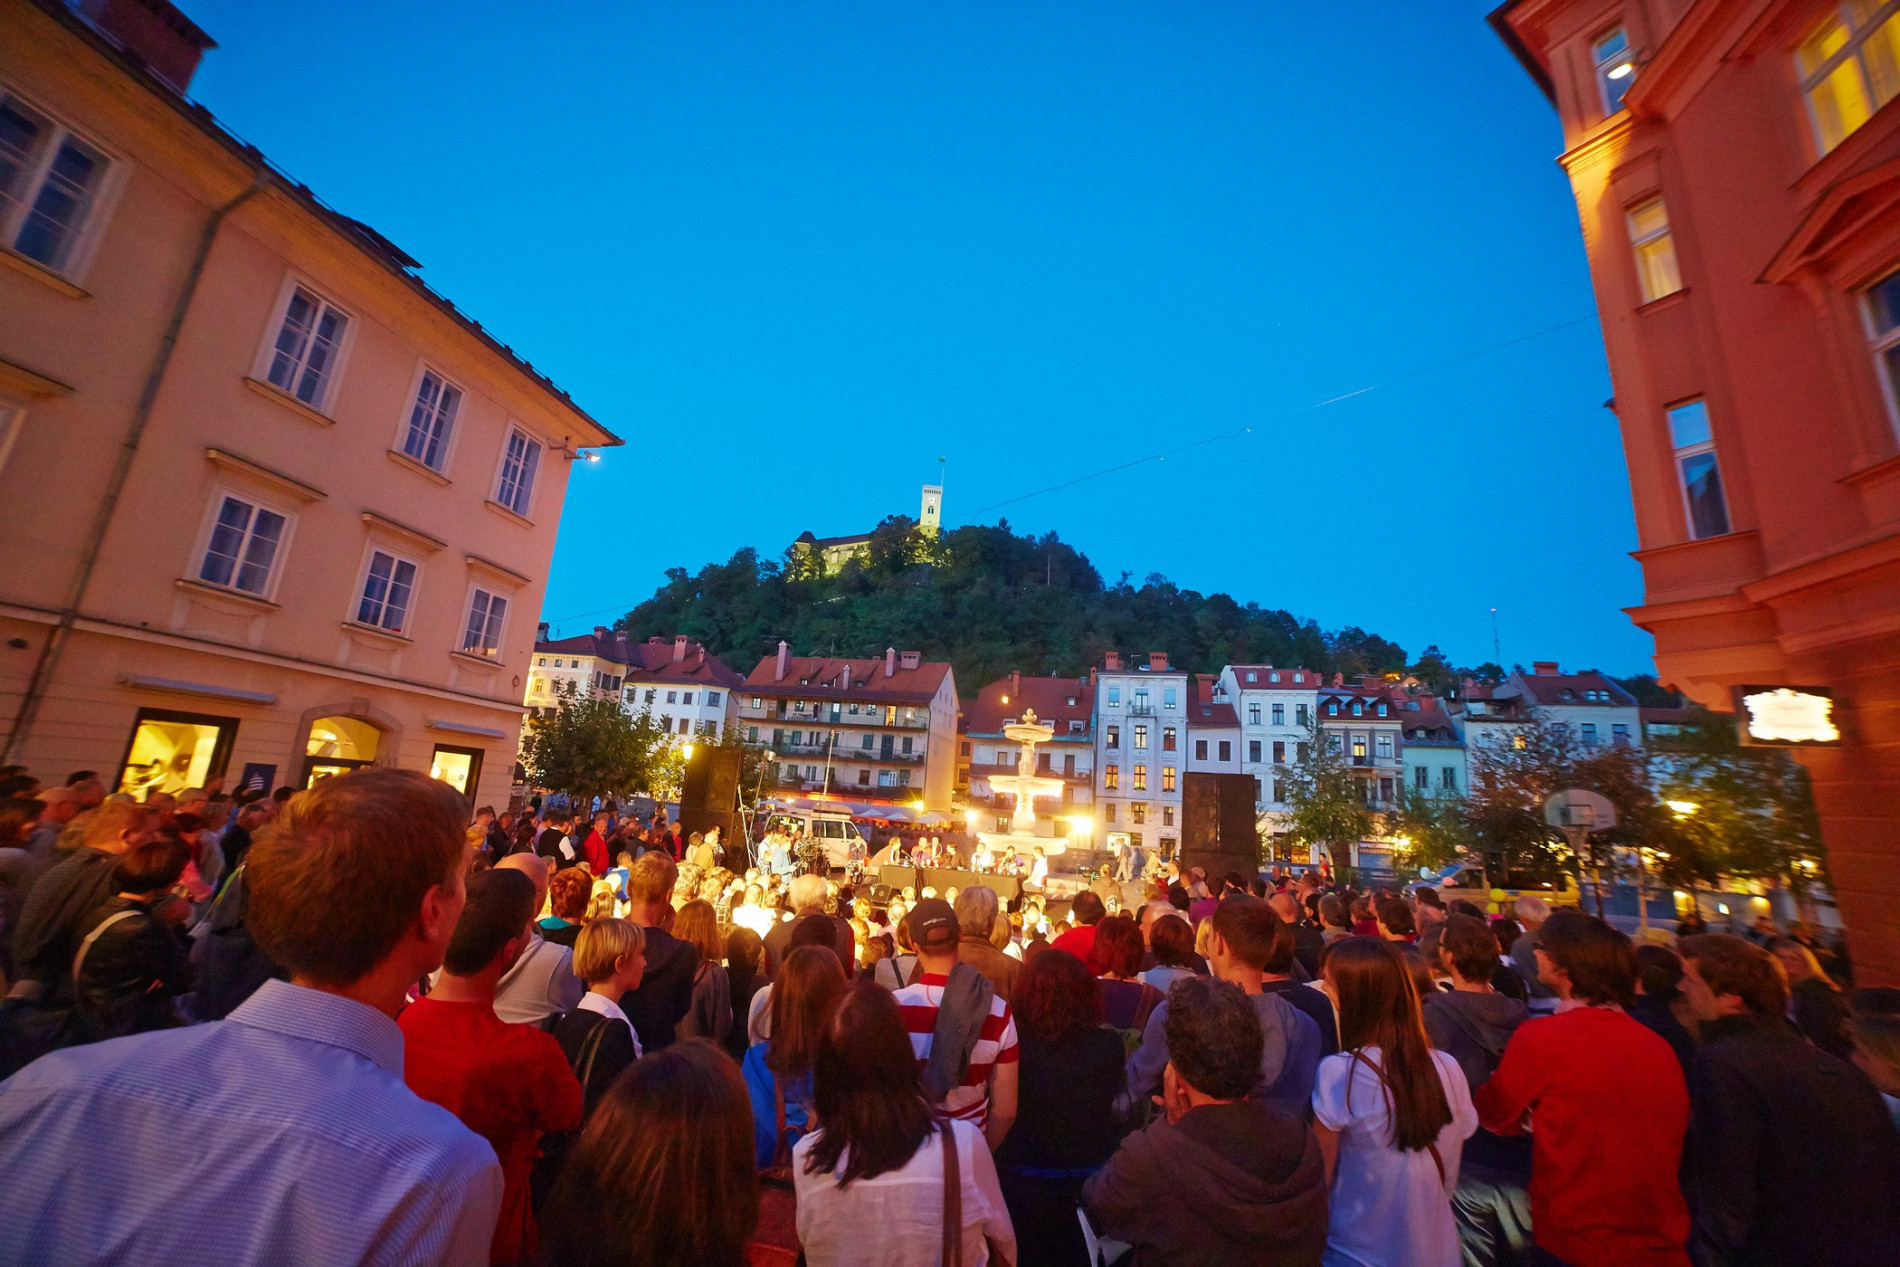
{"x": 745, "y": 957}
{"x": 1391, "y": 1114}
{"x": 875, "y": 1180}
{"x": 663, "y": 1173}
{"x": 1065, "y": 1127}
{"x": 778, "y": 1070}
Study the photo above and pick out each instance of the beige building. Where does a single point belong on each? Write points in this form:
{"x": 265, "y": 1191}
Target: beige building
{"x": 870, "y": 732}
{"x": 269, "y": 504}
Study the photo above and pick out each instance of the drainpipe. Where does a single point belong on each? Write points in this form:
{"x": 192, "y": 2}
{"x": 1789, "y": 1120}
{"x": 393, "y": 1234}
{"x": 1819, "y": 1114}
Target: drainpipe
{"x": 48, "y": 662}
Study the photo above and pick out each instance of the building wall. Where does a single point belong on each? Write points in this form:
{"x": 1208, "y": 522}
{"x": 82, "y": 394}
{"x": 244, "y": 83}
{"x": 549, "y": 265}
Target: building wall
{"x": 1435, "y": 760}
{"x": 213, "y": 428}
{"x": 1116, "y": 709}
{"x": 931, "y": 727}
{"x": 1778, "y": 241}
{"x": 681, "y": 709}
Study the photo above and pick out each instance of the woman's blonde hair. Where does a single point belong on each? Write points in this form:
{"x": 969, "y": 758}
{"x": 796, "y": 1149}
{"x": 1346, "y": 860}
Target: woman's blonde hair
{"x": 601, "y": 944}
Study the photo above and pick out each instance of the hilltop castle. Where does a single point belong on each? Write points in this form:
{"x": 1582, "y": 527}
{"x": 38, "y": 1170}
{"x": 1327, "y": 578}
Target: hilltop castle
{"x": 833, "y": 551}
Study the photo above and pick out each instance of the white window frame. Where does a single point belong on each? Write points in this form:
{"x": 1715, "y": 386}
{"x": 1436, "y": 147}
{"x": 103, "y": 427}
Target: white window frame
{"x": 452, "y": 429}
{"x": 1603, "y": 63}
{"x": 202, "y": 544}
{"x": 1640, "y": 241}
{"x": 267, "y": 350}
{"x": 370, "y": 551}
{"x": 541, "y": 448}
{"x": 468, "y": 612}
{"x": 1879, "y": 342}
{"x": 1677, "y": 455}
{"x": 84, "y": 244}
{"x": 1857, "y": 35}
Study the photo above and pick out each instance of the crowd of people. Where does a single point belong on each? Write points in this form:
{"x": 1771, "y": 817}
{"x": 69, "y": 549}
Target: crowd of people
{"x": 361, "y": 1024}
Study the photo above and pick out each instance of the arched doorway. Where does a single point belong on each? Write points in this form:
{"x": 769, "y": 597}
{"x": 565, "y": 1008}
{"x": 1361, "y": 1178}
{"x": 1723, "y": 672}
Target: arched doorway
{"x": 337, "y": 744}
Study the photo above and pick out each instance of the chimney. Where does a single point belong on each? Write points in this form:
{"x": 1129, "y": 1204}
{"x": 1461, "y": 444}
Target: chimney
{"x": 890, "y": 661}
{"x": 1158, "y": 661}
{"x": 153, "y": 33}
{"x": 1015, "y": 683}
{"x": 601, "y": 632}
{"x": 846, "y": 679}
{"x": 909, "y": 659}
{"x": 541, "y": 632}
{"x": 679, "y": 648}
{"x": 784, "y": 661}
{"x": 1112, "y": 661}
{"x": 1543, "y": 668}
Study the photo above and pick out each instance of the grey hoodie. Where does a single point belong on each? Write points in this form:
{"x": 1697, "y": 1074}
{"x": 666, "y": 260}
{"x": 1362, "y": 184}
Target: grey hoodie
{"x": 1472, "y": 1028}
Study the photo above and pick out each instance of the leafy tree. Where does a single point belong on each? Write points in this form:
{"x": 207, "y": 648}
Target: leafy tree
{"x": 591, "y": 747}
{"x": 1435, "y": 672}
{"x": 1326, "y": 804}
{"x": 1747, "y": 812}
{"x": 1648, "y": 692}
{"x": 1433, "y": 828}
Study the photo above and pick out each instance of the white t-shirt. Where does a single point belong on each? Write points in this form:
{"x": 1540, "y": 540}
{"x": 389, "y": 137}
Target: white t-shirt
{"x": 896, "y": 1218}
{"x": 1389, "y": 1208}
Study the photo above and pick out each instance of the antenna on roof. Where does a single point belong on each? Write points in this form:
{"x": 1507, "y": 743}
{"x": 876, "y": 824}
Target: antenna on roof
{"x": 1497, "y": 657}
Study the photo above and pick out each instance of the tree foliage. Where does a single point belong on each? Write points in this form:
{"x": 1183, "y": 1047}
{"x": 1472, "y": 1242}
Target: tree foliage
{"x": 1753, "y": 814}
{"x": 591, "y": 747}
{"x": 1432, "y": 827}
{"x": 988, "y": 600}
{"x": 1325, "y": 801}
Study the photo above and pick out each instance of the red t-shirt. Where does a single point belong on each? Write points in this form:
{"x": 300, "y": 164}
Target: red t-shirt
{"x": 510, "y": 1084}
{"x": 1080, "y": 942}
{"x": 1608, "y": 1110}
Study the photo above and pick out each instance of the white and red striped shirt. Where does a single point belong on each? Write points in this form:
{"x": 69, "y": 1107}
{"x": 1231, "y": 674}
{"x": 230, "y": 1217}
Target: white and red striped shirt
{"x": 995, "y": 1045}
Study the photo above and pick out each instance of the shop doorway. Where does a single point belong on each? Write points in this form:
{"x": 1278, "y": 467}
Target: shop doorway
{"x": 460, "y": 768}
{"x": 339, "y": 744}
{"x": 171, "y": 751}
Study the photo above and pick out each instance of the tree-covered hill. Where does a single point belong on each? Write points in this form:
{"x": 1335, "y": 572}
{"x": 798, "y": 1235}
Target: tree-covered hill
{"x": 989, "y": 601}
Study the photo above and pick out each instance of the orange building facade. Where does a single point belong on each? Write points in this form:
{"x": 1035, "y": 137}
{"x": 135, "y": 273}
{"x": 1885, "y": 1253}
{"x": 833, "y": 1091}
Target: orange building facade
{"x": 1736, "y": 166}
{"x": 267, "y": 503}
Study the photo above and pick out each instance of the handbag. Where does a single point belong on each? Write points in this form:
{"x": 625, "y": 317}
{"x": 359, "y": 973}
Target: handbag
{"x": 774, "y": 1241}
{"x": 952, "y": 1255}
{"x": 556, "y": 1145}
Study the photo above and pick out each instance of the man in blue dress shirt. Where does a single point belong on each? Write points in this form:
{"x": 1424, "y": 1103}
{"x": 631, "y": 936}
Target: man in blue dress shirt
{"x": 284, "y": 1133}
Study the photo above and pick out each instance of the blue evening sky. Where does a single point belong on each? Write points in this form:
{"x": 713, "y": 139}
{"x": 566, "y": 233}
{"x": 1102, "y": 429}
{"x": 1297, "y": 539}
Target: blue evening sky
{"x": 794, "y": 252}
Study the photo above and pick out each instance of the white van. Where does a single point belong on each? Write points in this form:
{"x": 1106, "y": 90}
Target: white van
{"x": 842, "y": 840}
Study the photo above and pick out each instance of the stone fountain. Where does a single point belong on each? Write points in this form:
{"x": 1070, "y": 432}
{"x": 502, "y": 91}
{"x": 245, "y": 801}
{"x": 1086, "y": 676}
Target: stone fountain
{"x": 1025, "y": 785}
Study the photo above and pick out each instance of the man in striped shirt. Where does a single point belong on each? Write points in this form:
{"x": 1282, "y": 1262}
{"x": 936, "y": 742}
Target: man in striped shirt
{"x": 976, "y": 1019}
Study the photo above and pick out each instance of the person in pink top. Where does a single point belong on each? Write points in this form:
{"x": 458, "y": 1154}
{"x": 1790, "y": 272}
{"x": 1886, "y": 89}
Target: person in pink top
{"x": 1606, "y": 1105}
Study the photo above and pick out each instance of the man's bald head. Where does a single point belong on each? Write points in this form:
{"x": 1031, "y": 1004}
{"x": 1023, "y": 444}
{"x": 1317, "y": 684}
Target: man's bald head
{"x": 1285, "y": 907}
{"x": 535, "y": 867}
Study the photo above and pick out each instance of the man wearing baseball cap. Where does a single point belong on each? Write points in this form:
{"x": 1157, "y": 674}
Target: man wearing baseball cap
{"x": 960, "y": 1029}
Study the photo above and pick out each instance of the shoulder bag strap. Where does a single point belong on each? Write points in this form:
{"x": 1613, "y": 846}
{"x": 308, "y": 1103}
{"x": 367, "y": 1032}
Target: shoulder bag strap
{"x": 952, "y": 1199}
{"x": 79, "y": 959}
{"x": 781, "y": 1149}
{"x": 590, "y": 1047}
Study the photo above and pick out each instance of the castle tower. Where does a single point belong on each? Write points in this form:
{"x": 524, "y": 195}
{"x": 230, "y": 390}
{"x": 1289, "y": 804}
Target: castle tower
{"x": 930, "y": 516}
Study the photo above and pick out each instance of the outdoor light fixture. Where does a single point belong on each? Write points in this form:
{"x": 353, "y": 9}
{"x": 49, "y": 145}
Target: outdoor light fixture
{"x": 1682, "y": 809}
{"x": 688, "y": 751}
{"x": 1622, "y": 70}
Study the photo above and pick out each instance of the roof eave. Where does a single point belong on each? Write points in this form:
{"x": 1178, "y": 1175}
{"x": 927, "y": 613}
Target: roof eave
{"x": 1499, "y": 18}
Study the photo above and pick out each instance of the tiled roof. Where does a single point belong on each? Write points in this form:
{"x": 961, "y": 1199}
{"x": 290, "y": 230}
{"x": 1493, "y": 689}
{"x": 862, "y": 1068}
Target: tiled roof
{"x": 649, "y": 661}
{"x": 1264, "y": 672}
{"x": 1568, "y": 689}
{"x": 822, "y": 677}
{"x": 1210, "y": 716}
{"x": 1048, "y": 696}
{"x": 1428, "y": 722}
{"x": 1667, "y": 716}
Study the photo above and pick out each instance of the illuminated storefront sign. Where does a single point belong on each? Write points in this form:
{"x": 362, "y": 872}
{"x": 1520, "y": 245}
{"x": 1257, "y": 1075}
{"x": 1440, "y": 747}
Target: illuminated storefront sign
{"x": 1786, "y": 716}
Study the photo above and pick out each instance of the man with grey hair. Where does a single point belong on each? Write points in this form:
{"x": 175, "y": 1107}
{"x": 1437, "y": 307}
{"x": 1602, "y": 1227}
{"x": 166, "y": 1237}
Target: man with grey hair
{"x": 1531, "y": 912}
{"x": 977, "y": 912}
{"x": 807, "y": 894}
{"x": 540, "y": 982}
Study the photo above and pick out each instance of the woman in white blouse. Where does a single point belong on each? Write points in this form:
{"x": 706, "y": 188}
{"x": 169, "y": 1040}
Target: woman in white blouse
{"x": 1391, "y": 1115}
{"x": 871, "y": 1180}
